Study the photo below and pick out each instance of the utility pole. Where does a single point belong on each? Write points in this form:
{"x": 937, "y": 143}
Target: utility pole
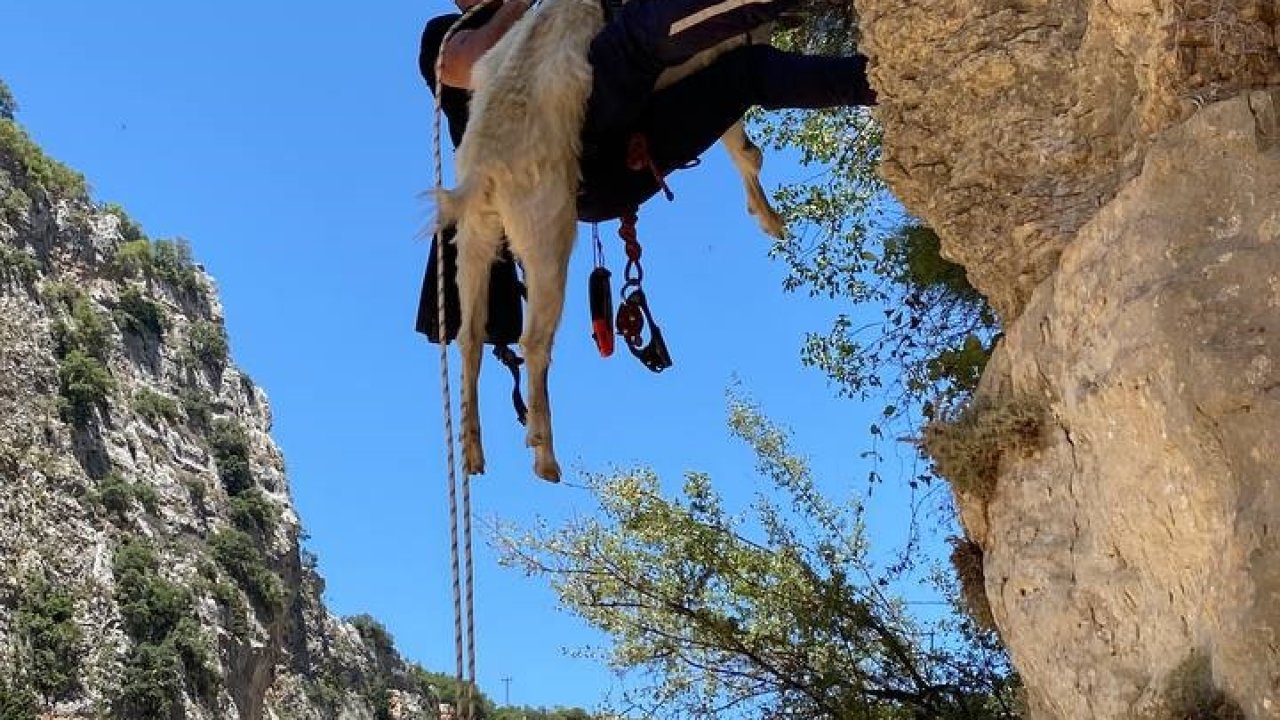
{"x": 506, "y": 681}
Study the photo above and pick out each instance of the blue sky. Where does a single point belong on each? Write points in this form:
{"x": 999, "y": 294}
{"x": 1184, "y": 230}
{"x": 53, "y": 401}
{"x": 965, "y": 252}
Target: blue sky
{"x": 289, "y": 143}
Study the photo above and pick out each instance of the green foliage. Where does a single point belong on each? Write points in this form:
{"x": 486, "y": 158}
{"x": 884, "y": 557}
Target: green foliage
{"x": 8, "y": 105}
{"x": 133, "y": 257}
{"x": 57, "y": 294}
{"x": 967, "y": 448}
{"x": 928, "y": 342}
{"x": 134, "y": 239}
{"x": 325, "y": 693}
{"x": 33, "y": 169}
{"x": 117, "y": 495}
{"x": 380, "y": 700}
{"x": 445, "y": 689}
{"x": 252, "y": 512}
{"x": 375, "y": 635}
{"x": 139, "y": 314}
{"x": 207, "y": 342}
{"x": 236, "y": 612}
{"x": 15, "y": 206}
{"x": 81, "y": 346}
{"x": 88, "y": 330}
{"x": 173, "y": 264}
{"x": 18, "y": 702}
{"x": 777, "y": 611}
{"x": 167, "y": 261}
{"x": 84, "y": 383}
{"x": 150, "y": 606}
{"x": 195, "y": 652}
{"x": 15, "y": 262}
{"x": 238, "y": 554}
{"x": 196, "y": 405}
{"x": 915, "y": 335}
{"x": 45, "y": 621}
{"x": 169, "y": 647}
{"x": 156, "y": 407}
{"x": 532, "y": 713}
{"x": 230, "y": 445}
{"x": 151, "y": 686}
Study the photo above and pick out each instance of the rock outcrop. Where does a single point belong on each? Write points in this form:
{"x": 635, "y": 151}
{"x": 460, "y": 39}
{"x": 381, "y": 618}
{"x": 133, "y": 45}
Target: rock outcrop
{"x": 1108, "y": 172}
{"x": 149, "y": 556}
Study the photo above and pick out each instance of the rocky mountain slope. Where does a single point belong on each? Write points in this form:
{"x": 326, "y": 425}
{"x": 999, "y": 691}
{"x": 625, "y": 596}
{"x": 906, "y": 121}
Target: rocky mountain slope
{"x": 149, "y": 557}
{"x": 1108, "y": 171}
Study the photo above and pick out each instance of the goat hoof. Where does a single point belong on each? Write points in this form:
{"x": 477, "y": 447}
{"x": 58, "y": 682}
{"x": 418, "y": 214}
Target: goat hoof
{"x": 473, "y": 460}
{"x": 772, "y": 224}
{"x": 547, "y": 469}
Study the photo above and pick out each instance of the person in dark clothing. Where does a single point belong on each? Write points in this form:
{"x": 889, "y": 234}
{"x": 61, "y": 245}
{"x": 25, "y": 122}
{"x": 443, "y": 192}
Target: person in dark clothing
{"x": 679, "y": 122}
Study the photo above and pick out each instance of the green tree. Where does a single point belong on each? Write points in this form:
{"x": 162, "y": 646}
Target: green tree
{"x": 8, "y": 105}
{"x": 916, "y": 335}
{"x": 775, "y": 613}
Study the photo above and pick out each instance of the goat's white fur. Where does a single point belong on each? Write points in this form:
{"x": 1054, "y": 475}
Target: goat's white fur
{"x": 517, "y": 172}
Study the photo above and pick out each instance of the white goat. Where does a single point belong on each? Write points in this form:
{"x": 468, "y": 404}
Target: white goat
{"x": 517, "y": 171}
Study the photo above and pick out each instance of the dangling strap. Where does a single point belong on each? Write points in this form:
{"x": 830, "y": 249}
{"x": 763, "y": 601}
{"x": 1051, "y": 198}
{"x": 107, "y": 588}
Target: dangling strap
{"x": 508, "y": 357}
{"x": 638, "y": 158}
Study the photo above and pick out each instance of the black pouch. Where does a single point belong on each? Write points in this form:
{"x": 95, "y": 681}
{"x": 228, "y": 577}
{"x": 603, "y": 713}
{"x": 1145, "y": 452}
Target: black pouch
{"x": 506, "y": 297}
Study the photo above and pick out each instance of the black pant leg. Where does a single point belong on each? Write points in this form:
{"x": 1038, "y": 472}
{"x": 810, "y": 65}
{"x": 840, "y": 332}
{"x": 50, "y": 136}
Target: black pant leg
{"x": 649, "y": 36}
{"x": 683, "y": 120}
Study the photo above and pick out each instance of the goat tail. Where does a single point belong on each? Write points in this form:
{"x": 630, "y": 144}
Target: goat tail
{"x": 450, "y": 204}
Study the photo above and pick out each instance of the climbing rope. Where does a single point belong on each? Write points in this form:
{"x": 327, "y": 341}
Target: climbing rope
{"x": 463, "y": 637}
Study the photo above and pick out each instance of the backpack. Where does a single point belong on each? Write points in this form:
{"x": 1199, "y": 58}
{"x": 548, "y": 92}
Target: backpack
{"x": 506, "y": 309}
{"x": 506, "y": 297}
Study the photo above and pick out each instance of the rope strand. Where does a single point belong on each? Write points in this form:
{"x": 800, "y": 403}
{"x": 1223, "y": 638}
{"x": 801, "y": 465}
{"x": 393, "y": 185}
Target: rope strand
{"x": 462, "y": 647}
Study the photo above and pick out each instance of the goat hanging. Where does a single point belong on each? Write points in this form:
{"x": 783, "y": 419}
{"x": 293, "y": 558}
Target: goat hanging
{"x": 517, "y": 170}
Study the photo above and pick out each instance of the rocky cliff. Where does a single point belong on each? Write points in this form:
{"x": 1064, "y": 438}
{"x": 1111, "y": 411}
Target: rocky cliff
{"x": 149, "y": 556}
{"x": 1108, "y": 171}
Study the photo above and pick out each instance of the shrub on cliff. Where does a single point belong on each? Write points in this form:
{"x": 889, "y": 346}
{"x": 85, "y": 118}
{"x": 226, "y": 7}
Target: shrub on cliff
{"x": 207, "y": 343}
{"x": 238, "y": 553}
{"x": 34, "y": 169}
{"x": 967, "y": 449}
{"x": 139, "y": 314}
{"x": 84, "y": 383}
{"x": 230, "y": 445}
{"x": 49, "y": 638}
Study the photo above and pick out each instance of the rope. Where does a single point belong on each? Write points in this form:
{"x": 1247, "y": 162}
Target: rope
{"x": 466, "y": 685}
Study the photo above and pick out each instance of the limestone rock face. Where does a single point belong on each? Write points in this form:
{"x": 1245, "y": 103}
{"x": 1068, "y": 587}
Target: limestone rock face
{"x": 1109, "y": 174}
{"x": 142, "y": 489}
{"x": 1010, "y": 123}
{"x": 1144, "y": 531}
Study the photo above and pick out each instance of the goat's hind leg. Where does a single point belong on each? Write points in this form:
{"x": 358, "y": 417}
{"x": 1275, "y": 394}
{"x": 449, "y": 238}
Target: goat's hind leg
{"x": 478, "y": 240}
{"x": 544, "y": 246}
{"x": 748, "y": 159}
